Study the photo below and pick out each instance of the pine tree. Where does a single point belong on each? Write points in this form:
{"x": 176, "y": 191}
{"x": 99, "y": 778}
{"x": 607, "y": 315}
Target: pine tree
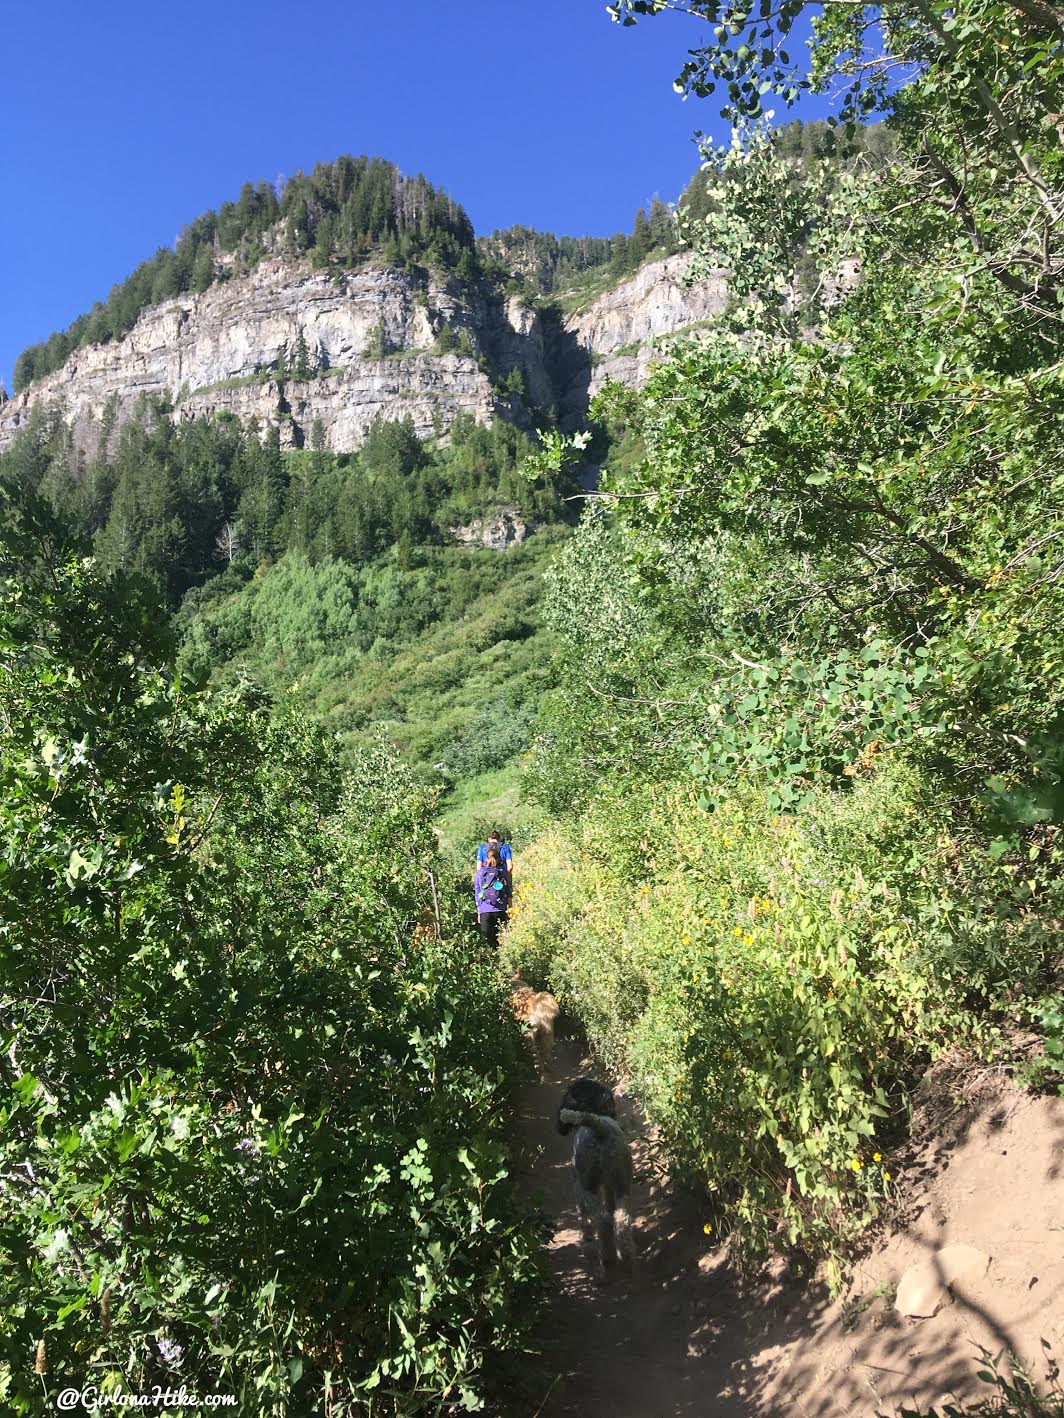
{"x": 166, "y": 283}
{"x": 203, "y": 268}
{"x": 662, "y": 227}
{"x": 324, "y": 242}
{"x": 92, "y": 498}
{"x": 143, "y": 532}
{"x": 377, "y": 344}
{"x": 640, "y": 242}
{"x": 297, "y": 228}
{"x": 262, "y": 499}
{"x": 515, "y": 382}
{"x": 294, "y": 532}
{"x": 301, "y": 357}
{"x": 26, "y": 367}
{"x": 619, "y": 262}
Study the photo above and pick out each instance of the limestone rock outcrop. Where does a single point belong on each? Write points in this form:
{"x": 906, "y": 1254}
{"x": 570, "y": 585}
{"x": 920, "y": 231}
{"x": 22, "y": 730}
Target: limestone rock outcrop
{"x": 506, "y": 528}
{"x": 381, "y": 343}
{"x": 216, "y": 352}
{"x": 926, "y": 1286}
{"x": 618, "y": 330}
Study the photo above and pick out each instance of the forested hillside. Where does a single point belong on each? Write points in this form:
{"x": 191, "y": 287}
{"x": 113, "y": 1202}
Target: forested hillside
{"x": 549, "y": 263}
{"x": 333, "y": 582}
{"x": 339, "y": 213}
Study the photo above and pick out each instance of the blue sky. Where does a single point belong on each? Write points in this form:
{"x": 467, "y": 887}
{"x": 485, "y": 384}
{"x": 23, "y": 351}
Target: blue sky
{"x": 123, "y": 121}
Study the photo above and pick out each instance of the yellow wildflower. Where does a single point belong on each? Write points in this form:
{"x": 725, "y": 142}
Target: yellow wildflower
{"x": 856, "y": 1163}
{"x": 886, "y": 1176}
{"x": 707, "y": 1228}
{"x": 876, "y": 1157}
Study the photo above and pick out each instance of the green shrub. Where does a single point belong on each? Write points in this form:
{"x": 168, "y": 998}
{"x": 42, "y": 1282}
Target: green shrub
{"x": 765, "y": 980}
{"x": 495, "y": 737}
{"x": 1046, "y": 1070}
{"x": 249, "y": 1103}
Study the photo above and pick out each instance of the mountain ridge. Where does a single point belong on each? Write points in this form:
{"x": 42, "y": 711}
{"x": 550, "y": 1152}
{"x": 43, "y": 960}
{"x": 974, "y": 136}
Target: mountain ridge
{"x": 368, "y": 343}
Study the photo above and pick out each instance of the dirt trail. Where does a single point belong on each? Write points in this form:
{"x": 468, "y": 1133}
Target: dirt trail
{"x": 657, "y": 1340}
{"x": 678, "y": 1336}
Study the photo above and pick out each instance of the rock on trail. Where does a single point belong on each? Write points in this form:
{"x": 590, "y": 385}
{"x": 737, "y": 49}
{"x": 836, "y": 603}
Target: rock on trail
{"x": 927, "y": 1286}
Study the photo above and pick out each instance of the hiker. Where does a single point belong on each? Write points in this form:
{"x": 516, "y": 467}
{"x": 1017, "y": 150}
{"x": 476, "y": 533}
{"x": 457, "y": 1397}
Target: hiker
{"x": 491, "y": 887}
{"x": 506, "y": 856}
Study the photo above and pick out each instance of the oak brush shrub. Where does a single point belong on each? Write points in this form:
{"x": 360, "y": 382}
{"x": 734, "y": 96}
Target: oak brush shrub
{"x": 248, "y": 1102}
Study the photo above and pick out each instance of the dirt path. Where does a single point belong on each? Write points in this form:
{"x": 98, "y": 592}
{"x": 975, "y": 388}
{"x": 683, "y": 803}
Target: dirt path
{"x": 653, "y": 1342}
{"x": 677, "y": 1336}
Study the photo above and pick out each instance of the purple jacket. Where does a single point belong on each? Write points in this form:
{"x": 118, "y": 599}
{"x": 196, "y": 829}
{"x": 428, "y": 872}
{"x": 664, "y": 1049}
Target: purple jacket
{"x": 489, "y": 897}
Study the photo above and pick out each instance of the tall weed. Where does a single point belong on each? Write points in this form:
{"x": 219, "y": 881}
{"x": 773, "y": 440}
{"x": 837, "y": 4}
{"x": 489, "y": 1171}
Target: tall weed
{"x": 769, "y": 982}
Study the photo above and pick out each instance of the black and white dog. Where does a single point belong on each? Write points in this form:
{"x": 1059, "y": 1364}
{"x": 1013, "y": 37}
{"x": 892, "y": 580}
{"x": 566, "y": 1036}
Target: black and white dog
{"x": 602, "y": 1166}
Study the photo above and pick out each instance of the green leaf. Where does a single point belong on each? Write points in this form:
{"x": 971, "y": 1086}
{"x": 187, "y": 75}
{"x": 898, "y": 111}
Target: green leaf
{"x": 25, "y": 1088}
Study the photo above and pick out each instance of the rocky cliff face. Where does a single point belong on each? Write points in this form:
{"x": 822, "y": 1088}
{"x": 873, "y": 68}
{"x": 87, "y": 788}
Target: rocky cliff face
{"x": 217, "y": 352}
{"x": 505, "y": 529}
{"x": 618, "y": 331}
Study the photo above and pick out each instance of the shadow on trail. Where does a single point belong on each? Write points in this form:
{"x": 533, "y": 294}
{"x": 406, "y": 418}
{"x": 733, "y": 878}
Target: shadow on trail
{"x": 680, "y": 1335}
{"x": 659, "y": 1340}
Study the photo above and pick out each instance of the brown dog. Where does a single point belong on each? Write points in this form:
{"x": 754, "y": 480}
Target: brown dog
{"x": 537, "y": 1009}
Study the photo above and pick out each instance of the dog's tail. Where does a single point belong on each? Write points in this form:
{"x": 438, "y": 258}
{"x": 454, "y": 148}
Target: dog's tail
{"x": 600, "y": 1126}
